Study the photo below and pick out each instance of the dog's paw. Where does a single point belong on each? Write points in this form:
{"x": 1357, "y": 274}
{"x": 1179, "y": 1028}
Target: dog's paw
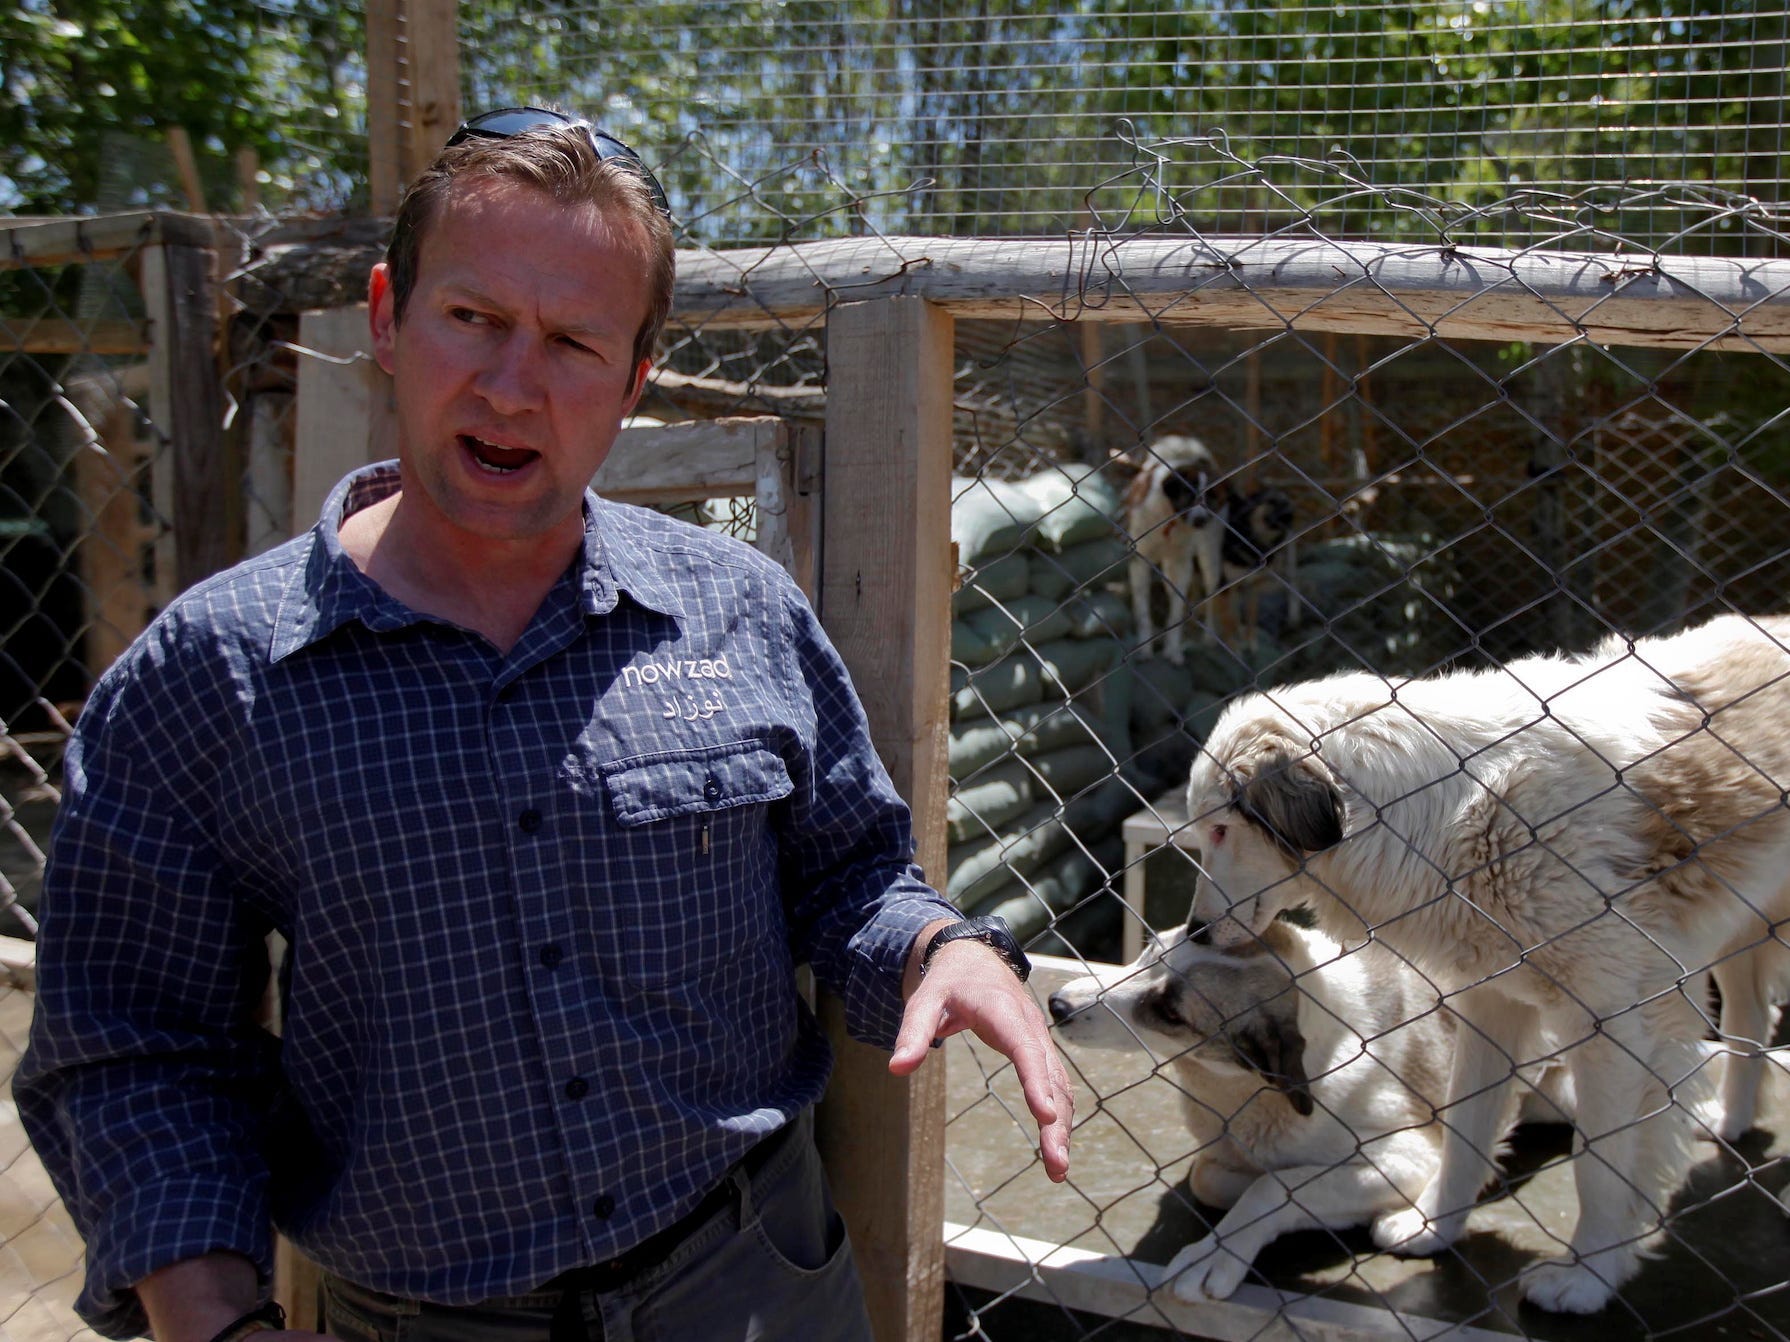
{"x": 1566, "y": 1286}
{"x": 1409, "y": 1232}
{"x": 1204, "y": 1271}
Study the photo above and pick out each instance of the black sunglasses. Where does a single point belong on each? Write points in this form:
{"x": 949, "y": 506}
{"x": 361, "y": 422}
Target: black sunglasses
{"x": 508, "y": 121}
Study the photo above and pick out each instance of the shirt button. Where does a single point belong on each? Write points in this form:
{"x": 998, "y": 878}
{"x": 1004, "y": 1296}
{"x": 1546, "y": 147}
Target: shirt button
{"x": 711, "y": 787}
{"x": 577, "y": 1088}
{"x": 551, "y": 955}
{"x": 604, "y": 1207}
{"x": 530, "y": 820}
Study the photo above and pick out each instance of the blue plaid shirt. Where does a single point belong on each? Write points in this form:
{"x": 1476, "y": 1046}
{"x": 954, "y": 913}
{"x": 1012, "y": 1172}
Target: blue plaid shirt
{"x": 545, "y": 909}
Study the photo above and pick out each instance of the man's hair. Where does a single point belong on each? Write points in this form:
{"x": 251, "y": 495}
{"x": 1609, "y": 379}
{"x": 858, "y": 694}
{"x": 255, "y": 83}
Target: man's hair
{"x": 560, "y": 162}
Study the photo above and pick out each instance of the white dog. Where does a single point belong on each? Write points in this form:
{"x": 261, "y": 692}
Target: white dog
{"x": 1174, "y": 510}
{"x": 1306, "y": 1073}
{"x": 1566, "y": 840}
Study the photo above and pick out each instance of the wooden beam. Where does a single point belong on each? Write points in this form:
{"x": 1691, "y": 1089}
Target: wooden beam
{"x": 107, "y": 471}
{"x": 186, "y": 164}
{"x": 788, "y": 502}
{"x": 59, "y": 335}
{"x": 385, "y": 145}
{"x": 346, "y": 417}
{"x": 432, "y": 30}
{"x": 885, "y": 599}
{"x": 1465, "y": 293}
{"x": 100, "y": 238}
{"x": 1128, "y": 1288}
{"x": 198, "y": 481}
{"x": 688, "y": 462}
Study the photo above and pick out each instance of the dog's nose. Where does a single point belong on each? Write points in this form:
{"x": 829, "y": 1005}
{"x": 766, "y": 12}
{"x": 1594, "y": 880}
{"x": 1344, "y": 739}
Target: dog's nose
{"x": 1060, "y": 1010}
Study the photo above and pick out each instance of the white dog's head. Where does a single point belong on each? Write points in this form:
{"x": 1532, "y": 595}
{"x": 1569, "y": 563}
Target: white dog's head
{"x": 1261, "y": 802}
{"x": 1235, "y": 1008}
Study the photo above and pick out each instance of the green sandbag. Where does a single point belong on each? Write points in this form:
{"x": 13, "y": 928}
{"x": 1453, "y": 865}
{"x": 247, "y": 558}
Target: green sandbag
{"x": 1098, "y": 615}
{"x": 1037, "y": 619}
{"x": 1091, "y": 564}
{"x": 1069, "y": 665}
{"x": 999, "y": 579}
{"x": 1029, "y": 907}
{"x": 1068, "y": 771}
{"x": 990, "y": 517}
{"x": 988, "y": 801}
{"x": 1077, "y": 503}
{"x": 1030, "y": 730}
{"x": 995, "y": 689}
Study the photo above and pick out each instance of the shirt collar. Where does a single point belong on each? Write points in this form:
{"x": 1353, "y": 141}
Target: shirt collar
{"x": 328, "y": 589}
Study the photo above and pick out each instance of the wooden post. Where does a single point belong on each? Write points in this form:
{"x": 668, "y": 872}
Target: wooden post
{"x": 432, "y": 28}
{"x": 111, "y": 550}
{"x": 385, "y": 144}
{"x": 788, "y": 502}
{"x": 198, "y": 483}
{"x": 885, "y": 599}
{"x": 346, "y": 417}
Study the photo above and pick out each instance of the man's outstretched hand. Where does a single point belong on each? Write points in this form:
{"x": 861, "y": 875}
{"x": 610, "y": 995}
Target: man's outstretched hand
{"x": 969, "y": 987}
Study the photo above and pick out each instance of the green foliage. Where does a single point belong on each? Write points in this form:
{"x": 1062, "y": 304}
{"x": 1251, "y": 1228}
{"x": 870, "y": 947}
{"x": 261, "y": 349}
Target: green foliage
{"x": 84, "y": 83}
{"x": 827, "y": 115}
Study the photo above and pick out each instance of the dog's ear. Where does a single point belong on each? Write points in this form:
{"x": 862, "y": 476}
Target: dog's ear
{"x": 1293, "y": 799}
{"x": 1269, "y": 1043}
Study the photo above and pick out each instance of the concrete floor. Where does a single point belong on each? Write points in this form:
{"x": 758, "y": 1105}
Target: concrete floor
{"x": 1722, "y": 1271}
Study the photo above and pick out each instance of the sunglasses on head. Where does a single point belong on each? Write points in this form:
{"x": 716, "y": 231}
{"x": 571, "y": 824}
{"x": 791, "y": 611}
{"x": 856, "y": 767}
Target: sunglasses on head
{"x": 508, "y": 121}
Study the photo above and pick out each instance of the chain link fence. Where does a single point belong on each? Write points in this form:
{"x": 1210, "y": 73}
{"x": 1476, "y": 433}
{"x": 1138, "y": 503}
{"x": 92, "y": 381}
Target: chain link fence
{"x": 1415, "y": 457}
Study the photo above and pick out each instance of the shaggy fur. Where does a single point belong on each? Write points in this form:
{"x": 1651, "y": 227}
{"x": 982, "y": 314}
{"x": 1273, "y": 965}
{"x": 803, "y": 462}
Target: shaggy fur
{"x": 1560, "y": 846}
{"x": 1174, "y": 511}
{"x": 1306, "y": 1074}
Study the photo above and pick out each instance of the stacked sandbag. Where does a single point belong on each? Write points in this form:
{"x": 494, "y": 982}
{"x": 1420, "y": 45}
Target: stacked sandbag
{"x": 1040, "y": 693}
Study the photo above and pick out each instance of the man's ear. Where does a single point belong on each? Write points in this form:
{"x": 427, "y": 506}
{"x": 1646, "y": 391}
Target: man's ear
{"x": 640, "y": 375}
{"x": 382, "y": 313}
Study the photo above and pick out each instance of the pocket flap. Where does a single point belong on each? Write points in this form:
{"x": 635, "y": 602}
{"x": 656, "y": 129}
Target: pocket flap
{"x": 684, "y": 782}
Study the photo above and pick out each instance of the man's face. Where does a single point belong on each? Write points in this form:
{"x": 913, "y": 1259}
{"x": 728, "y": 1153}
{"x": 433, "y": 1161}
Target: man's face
{"x": 513, "y": 366}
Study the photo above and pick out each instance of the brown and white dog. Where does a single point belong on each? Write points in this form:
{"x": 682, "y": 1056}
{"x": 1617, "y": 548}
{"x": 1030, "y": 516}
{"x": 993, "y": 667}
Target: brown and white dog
{"x": 1562, "y": 846}
{"x": 1174, "y": 510}
{"x": 1307, "y": 1074}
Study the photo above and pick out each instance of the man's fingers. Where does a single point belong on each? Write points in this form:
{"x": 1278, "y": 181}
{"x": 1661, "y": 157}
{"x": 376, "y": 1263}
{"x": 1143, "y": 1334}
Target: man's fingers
{"x": 921, "y": 1024}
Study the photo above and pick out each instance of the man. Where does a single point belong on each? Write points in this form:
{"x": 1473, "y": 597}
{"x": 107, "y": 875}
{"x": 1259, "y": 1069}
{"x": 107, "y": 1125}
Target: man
{"x": 549, "y": 796}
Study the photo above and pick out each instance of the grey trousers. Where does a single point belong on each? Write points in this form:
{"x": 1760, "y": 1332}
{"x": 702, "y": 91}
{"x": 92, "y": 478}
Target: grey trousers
{"x": 775, "y": 1265}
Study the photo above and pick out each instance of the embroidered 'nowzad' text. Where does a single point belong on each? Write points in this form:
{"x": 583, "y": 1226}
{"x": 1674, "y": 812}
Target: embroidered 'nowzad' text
{"x": 654, "y": 673}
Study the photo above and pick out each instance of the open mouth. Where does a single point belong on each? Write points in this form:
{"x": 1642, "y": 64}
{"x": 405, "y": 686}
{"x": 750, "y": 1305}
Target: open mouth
{"x": 494, "y": 459}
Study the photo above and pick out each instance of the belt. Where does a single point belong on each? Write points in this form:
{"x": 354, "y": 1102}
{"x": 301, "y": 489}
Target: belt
{"x": 614, "y": 1273}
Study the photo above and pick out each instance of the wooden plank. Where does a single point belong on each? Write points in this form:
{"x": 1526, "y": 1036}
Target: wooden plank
{"x": 346, "y": 416}
{"x": 200, "y": 491}
{"x": 99, "y": 238}
{"x": 1468, "y": 293}
{"x": 385, "y": 150}
{"x": 186, "y": 164}
{"x": 109, "y": 559}
{"x": 432, "y": 28}
{"x": 1125, "y": 1288}
{"x": 788, "y": 503}
{"x": 687, "y": 462}
{"x": 885, "y": 589}
{"x": 95, "y": 335}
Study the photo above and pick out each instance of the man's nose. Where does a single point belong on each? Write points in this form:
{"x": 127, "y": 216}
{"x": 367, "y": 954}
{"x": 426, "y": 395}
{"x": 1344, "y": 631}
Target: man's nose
{"x": 512, "y": 382}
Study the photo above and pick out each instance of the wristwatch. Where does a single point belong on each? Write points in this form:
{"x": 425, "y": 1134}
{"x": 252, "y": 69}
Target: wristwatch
{"x": 992, "y": 932}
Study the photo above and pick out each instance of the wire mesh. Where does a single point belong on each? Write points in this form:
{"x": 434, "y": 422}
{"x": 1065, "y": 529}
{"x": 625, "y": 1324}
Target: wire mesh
{"x": 1396, "y": 504}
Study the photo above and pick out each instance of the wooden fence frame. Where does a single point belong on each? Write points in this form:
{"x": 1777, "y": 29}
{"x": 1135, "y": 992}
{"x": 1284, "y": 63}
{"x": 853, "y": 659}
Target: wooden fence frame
{"x": 868, "y": 531}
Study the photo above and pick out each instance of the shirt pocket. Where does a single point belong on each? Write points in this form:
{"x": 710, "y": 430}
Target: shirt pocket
{"x": 700, "y": 852}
